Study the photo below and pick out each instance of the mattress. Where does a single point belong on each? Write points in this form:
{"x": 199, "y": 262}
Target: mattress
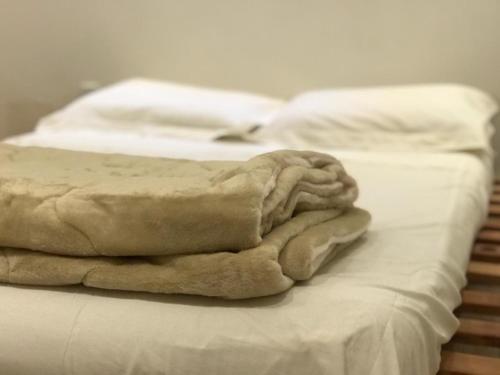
{"x": 382, "y": 307}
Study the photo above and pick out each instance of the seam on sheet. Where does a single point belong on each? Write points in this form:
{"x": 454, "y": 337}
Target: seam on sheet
{"x": 389, "y": 320}
{"x": 70, "y": 337}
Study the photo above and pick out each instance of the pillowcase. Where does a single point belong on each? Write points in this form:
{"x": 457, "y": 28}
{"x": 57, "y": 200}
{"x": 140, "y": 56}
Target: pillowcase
{"x": 162, "y": 107}
{"x": 401, "y": 118}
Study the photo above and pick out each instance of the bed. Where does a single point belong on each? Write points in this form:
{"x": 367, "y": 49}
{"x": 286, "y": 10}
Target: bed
{"x": 385, "y": 306}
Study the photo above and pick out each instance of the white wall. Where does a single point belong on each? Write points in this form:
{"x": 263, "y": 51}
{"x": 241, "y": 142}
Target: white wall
{"x": 272, "y": 46}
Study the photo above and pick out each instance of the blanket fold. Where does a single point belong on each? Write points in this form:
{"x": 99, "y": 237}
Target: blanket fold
{"x": 216, "y": 228}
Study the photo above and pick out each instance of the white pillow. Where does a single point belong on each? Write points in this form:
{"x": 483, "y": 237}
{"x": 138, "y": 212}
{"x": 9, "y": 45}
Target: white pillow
{"x": 164, "y": 107}
{"x": 400, "y": 118}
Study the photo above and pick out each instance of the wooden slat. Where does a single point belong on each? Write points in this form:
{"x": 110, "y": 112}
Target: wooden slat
{"x": 494, "y": 209}
{"x": 483, "y": 268}
{"x": 479, "y": 301}
{"x": 478, "y": 332}
{"x": 484, "y": 272}
{"x": 492, "y": 223}
{"x": 468, "y": 364}
{"x": 488, "y": 235}
{"x": 486, "y": 252}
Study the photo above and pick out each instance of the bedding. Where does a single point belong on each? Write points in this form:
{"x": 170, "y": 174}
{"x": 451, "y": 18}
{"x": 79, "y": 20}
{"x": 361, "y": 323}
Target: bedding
{"x": 77, "y": 203}
{"x": 166, "y": 108}
{"x": 266, "y": 222}
{"x": 292, "y": 252}
{"x": 383, "y": 307}
{"x": 440, "y": 117}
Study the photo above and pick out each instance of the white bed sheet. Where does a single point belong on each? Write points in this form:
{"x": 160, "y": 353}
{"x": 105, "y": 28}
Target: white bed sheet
{"x": 383, "y": 307}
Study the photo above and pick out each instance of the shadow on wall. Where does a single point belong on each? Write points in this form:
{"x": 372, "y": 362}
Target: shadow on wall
{"x": 22, "y": 116}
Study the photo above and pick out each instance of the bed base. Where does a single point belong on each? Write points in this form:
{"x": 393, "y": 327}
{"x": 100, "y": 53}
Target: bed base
{"x": 475, "y": 348}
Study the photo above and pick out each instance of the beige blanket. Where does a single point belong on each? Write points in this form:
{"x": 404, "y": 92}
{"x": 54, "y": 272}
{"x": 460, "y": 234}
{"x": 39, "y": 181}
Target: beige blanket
{"x": 228, "y": 229}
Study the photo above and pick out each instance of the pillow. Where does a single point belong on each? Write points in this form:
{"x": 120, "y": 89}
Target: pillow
{"x": 164, "y": 107}
{"x": 400, "y": 118}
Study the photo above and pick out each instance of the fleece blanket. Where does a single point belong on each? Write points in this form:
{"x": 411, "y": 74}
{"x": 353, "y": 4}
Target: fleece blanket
{"x": 227, "y": 229}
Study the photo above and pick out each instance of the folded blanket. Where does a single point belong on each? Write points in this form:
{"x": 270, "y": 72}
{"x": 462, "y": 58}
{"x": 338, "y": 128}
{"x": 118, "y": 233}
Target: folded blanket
{"x": 270, "y": 268}
{"x": 76, "y": 203}
{"x": 227, "y": 229}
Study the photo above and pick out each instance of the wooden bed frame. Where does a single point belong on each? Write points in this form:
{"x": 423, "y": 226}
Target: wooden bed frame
{"x": 479, "y": 313}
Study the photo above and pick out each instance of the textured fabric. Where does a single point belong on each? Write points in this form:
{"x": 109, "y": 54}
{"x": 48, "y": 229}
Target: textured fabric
{"x": 249, "y": 273}
{"x": 75, "y": 203}
{"x": 94, "y": 205}
{"x": 382, "y": 307}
